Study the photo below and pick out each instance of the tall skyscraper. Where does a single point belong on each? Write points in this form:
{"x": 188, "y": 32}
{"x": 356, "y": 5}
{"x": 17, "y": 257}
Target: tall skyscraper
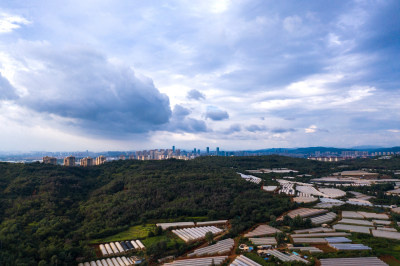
{"x": 217, "y": 150}
{"x": 173, "y": 149}
{"x": 208, "y": 150}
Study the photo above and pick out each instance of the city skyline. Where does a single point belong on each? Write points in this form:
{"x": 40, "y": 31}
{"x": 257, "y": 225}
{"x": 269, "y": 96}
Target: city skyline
{"x": 117, "y": 75}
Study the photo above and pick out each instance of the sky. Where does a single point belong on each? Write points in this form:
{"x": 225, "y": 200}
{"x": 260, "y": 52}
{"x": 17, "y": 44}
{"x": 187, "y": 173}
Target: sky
{"x": 235, "y": 74}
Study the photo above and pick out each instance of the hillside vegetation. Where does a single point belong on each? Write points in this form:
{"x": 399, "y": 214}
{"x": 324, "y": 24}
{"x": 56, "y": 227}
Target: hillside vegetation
{"x": 49, "y": 214}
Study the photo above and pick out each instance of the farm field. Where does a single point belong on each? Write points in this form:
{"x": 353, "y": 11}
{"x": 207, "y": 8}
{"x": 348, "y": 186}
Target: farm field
{"x": 134, "y": 232}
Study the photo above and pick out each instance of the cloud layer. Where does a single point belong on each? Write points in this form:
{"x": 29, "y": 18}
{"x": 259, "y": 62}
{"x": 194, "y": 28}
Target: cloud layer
{"x": 264, "y": 73}
{"x": 195, "y": 95}
{"x": 87, "y": 90}
{"x": 216, "y": 114}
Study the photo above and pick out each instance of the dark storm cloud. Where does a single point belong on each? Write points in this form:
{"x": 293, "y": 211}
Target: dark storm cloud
{"x": 180, "y": 122}
{"x": 95, "y": 94}
{"x": 216, "y": 114}
{"x": 282, "y": 130}
{"x": 193, "y": 125}
{"x": 195, "y": 95}
{"x": 255, "y": 128}
{"x": 7, "y": 91}
{"x": 233, "y": 129}
{"x": 180, "y": 111}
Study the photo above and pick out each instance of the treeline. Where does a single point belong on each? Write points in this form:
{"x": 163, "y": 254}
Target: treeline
{"x": 382, "y": 166}
{"x": 378, "y": 191}
{"x": 49, "y": 213}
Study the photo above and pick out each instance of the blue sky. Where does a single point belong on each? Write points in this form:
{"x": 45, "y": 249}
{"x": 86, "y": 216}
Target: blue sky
{"x": 123, "y": 75}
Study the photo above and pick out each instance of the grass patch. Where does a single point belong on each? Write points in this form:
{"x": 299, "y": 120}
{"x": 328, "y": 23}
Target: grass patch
{"x": 199, "y": 219}
{"x": 169, "y": 239}
{"x": 181, "y": 219}
{"x": 258, "y": 259}
{"x": 380, "y": 246}
{"x": 134, "y": 232}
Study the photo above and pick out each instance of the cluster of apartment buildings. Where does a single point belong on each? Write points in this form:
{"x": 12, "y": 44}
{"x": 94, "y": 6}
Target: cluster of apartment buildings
{"x": 163, "y": 154}
{"x": 344, "y": 155}
{"x": 156, "y": 154}
{"x": 72, "y": 161}
{"x": 384, "y": 153}
{"x": 327, "y": 159}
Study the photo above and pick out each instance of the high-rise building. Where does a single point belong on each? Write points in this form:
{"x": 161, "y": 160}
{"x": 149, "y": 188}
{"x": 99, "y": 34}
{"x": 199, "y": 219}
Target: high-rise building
{"x": 88, "y": 161}
{"x": 69, "y": 161}
{"x": 100, "y": 160}
{"x": 217, "y": 150}
{"x": 50, "y": 160}
{"x": 173, "y": 149}
{"x": 208, "y": 150}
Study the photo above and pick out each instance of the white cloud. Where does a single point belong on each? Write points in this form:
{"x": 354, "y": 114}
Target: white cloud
{"x": 9, "y": 23}
{"x": 311, "y": 129}
{"x": 315, "y": 92}
{"x": 334, "y": 40}
{"x": 355, "y": 18}
{"x": 292, "y": 24}
{"x": 220, "y": 6}
{"x": 94, "y": 94}
{"x": 278, "y": 104}
{"x": 356, "y": 93}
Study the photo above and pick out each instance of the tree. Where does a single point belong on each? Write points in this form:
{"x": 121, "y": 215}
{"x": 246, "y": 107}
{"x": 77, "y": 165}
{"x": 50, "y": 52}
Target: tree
{"x": 280, "y": 238}
{"x": 287, "y": 220}
{"x": 308, "y": 223}
{"x": 54, "y": 260}
{"x": 159, "y": 230}
{"x": 42, "y": 263}
{"x": 212, "y": 214}
{"x": 273, "y": 222}
{"x": 157, "y": 249}
{"x": 209, "y": 237}
{"x": 297, "y": 222}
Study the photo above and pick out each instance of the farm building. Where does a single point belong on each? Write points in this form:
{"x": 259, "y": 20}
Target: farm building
{"x": 365, "y": 261}
{"x": 287, "y": 258}
{"x": 195, "y": 233}
{"x": 262, "y": 230}
{"x": 244, "y": 261}
{"x": 165, "y": 226}
{"x": 353, "y": 228}
{"x": 221, "y": 247}
{"x": 217, "y": 260}
{"x": 305, "y": 212}
{"x": 264, "y": 241}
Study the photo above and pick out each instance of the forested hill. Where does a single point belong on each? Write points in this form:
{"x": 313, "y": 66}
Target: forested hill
{"x": 49, "y": 213}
